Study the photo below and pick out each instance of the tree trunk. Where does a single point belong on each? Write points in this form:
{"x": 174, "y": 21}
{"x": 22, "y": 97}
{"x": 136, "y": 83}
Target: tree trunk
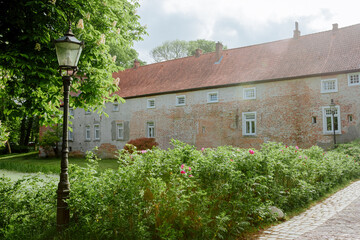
{"x": 28, "y": 131}
{"x": 8, "y": 145}
{"x": 22, "y": 130}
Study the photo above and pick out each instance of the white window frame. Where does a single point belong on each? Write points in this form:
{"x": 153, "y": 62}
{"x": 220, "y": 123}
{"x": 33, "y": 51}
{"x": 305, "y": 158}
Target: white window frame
{"x": 252, "y": 122}
{"x": 357, "y": 76}
{"x": 325, "y": 81}
{"x": 116, "y": 107}
{"x": 120, "y": 126}
{"x": 151, "y": 103}
{"x": 150, "y": 129}
{"x": 87, "y": 130}
{"x": 245, "y": 95}
{"x": 329, "y": 115}
{"x": 180, "y": 97}
{"x": 96, "y": 129}
{"x": 209, "y": 94}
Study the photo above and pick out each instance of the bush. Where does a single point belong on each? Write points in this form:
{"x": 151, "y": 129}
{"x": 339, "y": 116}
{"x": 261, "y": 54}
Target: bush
{"x": 350, "y": 149}
{"x": 50, "y": 141}
{"x": 140, "y": 144}
{"x": 180, "y": 193}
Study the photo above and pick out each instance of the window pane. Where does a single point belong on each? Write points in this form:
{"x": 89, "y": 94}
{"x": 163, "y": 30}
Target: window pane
{"x": 354, "y": 79}
{"x": 249, "y": 93}
{"x": 336, "y": 123}
{"x": 247, "y": 127}
{"x": 250, "y": 116}
{"x": 181, "y": 100}
{"x": 253, "y": 127}
{"x": 120, "y": 132}
{"x": 213, "y": 97}
{"x": 150, "y": 129}
{"x": 328, "y": 124}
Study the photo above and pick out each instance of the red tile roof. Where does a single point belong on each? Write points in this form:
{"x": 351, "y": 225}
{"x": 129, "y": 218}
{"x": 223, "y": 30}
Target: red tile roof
{"x": 321, "y": 53}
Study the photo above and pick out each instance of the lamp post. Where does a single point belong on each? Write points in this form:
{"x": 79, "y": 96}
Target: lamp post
{"x": 68, "y": 50}
{"x": 333, "y": 110}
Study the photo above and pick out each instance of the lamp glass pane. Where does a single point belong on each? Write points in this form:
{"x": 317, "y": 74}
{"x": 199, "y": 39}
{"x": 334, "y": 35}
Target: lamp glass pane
{"x": 68, "y": 53}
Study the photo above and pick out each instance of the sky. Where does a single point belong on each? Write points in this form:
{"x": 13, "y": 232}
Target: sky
{"x": 238, "y": 23}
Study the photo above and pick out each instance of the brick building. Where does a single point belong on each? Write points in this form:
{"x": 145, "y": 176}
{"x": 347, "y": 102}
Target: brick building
{"x": 276, "y": 91}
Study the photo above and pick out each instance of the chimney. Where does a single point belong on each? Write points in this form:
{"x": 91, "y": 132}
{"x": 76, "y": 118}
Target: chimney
{"x": 335, "y": 26}
{"x": 198, "y": 52}
{"x": 219, "y": 48}
{"x": 136, "y": 64}
{"x": 296, "y": 31}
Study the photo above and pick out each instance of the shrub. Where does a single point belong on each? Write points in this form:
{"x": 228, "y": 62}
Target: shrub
{"x": 50, "y": 141}
{"x": 140, "y": 144}
{"x": 180, "y": 193}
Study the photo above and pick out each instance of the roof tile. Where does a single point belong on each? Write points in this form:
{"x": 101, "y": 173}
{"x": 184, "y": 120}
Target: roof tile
{"x": 320, "y": 53}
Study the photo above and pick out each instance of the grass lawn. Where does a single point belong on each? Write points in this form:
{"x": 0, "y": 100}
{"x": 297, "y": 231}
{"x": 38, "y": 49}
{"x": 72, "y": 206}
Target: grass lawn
{"x": 31, "y": 163}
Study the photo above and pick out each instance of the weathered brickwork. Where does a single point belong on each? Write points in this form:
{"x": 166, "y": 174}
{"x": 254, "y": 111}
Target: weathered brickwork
{"x": 284, "y": 113}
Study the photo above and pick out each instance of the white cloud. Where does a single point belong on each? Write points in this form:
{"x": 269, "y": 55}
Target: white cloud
{"x": 230, "y": 21}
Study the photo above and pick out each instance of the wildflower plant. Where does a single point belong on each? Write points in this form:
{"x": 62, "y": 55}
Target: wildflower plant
{"x": 185, "y": 193}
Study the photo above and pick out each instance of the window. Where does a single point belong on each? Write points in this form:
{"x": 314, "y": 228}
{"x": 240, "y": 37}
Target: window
{"x": 71, "y": 135}
{"x": 329, "y": 121}
{"x": 115, "y": 107}
{"x": 120, "y": 131}
{"x": 150, "y": 129}
{"x": 212, "y": 97}
{"x": 87, "y": 133}
{"x": 180, "y": 100}
{"x": 329, "y": 85}
{"x": 249, "y": 123}
{"x": 97, "y": 132}
{"x": 313, "y": 120}
{"x": 350, "y": 118}
{"x": 353, "y": 79}
{"x": 250, "y": 93}
{"x": 151, "y": 103}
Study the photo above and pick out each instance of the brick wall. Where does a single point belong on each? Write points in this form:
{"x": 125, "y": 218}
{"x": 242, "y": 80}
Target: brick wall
{"x": 284, "y": 112}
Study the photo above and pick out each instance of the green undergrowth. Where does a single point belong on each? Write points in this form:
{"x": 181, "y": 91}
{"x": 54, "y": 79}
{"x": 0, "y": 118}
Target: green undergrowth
{"x": 179, "y": 193}
{"x": 32, "y": 163}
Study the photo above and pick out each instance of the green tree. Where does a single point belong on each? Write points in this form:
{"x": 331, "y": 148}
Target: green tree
{"x": 3, "y": 135}
{"x": 170, "y": 50}
{"x": 205, "y": 45}
{"x": 28, "y": 64}
{"x": 179, "y": 48}
{"x": 50, "y": 140}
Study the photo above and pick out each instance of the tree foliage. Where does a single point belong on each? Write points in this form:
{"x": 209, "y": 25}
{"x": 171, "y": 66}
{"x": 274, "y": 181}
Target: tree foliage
{"x": 3, "y": 134}
{"x": 170, "y": 50}
{"x": 180, "y": 48}
{"x": 50, "y": 140}
{"x": 30, "y": 83}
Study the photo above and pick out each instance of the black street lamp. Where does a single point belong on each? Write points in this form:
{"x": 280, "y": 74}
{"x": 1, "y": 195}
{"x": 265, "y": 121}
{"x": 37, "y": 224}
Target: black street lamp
{"x": 333, "y": 111}
{"x": 68, "y": 50}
